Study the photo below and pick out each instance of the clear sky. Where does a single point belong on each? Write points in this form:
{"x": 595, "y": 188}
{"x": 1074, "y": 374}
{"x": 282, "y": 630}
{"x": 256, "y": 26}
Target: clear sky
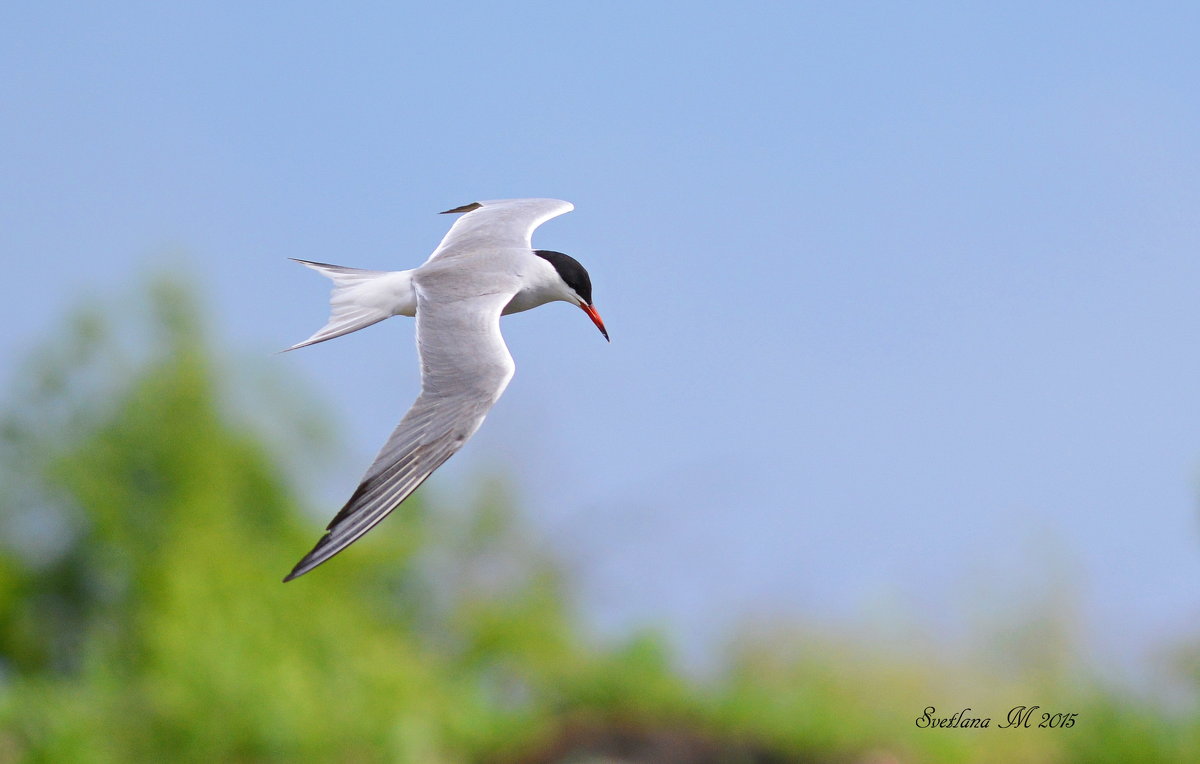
{"x": 904, "y": 301}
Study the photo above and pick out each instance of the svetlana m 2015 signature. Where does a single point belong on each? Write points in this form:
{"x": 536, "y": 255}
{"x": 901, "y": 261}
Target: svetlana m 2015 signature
{"x": 1020, "y": 717}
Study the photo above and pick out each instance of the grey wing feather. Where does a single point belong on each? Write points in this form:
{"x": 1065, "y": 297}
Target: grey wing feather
{"x": 498, "y": 224}
{"x": 465, "y": 366}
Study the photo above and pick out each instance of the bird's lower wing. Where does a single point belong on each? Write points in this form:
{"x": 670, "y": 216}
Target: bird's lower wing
{"x": 465, "y": 366}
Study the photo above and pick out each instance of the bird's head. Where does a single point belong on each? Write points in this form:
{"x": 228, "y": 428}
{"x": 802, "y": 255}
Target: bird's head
{"x": 576, "y": 284}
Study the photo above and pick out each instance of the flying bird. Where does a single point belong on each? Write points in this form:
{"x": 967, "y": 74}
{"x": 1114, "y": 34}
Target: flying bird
{"x": 484, "y": 268}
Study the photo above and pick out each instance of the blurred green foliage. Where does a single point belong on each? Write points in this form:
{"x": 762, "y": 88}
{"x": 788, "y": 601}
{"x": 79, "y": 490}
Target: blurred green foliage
{"x": 145, "y": 527}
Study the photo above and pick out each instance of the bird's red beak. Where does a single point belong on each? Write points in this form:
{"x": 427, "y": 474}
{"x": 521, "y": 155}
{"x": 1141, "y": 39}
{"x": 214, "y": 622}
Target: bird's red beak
{"x": 592, "y": 314}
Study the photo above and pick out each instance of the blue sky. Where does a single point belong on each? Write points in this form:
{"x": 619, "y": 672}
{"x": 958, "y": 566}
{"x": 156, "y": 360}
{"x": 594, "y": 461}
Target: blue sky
{"x": 903, "y": 300}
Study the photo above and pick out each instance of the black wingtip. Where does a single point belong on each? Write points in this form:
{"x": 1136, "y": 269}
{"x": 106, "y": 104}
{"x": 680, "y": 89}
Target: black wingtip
{"x": 309, "y": 561}
{"x": 297, "y": 571}
{"x": 464, "y": 208}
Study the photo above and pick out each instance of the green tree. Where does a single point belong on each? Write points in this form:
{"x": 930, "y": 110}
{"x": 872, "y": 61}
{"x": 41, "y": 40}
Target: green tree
{"x": 142, "y": 615}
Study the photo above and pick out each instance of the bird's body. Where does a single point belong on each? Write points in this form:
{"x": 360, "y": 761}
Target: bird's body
{"x": 485, "y": 267}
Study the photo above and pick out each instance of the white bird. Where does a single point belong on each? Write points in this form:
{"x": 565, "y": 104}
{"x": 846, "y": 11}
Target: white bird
{"x": 484, "y": 268}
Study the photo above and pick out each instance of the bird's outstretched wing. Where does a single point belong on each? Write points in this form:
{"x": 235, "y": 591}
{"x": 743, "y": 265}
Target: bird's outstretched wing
{"x": 499, "y": 224}
{"x": 465, "y": 366}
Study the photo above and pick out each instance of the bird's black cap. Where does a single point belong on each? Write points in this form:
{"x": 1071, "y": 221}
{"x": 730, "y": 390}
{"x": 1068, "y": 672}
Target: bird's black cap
{"x": 570, "y": 271}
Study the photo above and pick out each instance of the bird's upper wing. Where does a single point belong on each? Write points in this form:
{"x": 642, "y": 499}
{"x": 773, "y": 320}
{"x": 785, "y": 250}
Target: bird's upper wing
{"x": 465, "y": 366}
{"x": 499, "y": 224}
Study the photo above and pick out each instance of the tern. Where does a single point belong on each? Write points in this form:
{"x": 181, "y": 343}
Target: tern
{"x": 484, "y": 268}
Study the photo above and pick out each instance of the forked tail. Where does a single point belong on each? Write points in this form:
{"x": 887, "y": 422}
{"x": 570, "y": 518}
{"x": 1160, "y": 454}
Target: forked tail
{"x": 359, "y": 298}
